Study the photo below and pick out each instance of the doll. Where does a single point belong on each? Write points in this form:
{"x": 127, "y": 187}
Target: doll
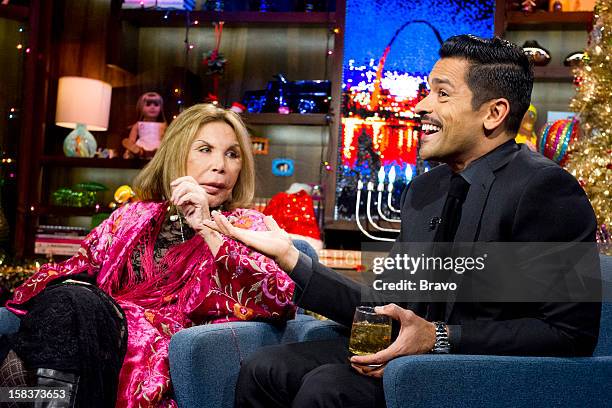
{"x": 146, "y": 134}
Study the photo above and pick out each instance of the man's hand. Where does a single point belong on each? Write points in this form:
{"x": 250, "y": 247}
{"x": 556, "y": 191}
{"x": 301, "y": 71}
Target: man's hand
{"x": 416, "y": 336}
{"x": 274, "y": 243}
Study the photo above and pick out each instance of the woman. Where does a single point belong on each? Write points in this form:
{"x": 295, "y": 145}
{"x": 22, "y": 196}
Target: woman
{"x": 162, "y": 266}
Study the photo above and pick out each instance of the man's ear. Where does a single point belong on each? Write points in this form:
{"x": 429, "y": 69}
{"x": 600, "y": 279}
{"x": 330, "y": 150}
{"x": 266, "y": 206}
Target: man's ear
{"x": 495, "y": 113}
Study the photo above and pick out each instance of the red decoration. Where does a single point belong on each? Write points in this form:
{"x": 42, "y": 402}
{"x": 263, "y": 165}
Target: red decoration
{"x": 214, "y": 60}
{"x": 294, "y": 213}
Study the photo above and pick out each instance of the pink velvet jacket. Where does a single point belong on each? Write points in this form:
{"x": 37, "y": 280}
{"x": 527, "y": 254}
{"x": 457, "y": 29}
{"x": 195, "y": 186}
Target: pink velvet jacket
{"x": 187, "y": 287}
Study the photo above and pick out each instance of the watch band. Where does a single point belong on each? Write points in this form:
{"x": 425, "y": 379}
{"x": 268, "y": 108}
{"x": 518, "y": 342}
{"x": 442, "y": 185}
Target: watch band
{"x": 442, "y": 345}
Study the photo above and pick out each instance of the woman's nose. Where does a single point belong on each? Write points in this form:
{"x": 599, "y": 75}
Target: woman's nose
{"x": 218, "y": 164}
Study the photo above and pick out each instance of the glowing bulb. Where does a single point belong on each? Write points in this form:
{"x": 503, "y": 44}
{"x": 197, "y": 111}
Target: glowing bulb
{"x": 392, "y": 175}
{"x": 409, "y": 173}
{"x": 19, "y": 46}
{"x": 381, "y": 175}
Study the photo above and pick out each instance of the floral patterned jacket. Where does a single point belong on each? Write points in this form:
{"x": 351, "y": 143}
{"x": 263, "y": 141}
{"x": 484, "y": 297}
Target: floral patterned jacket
{"x": 189, "y": 286}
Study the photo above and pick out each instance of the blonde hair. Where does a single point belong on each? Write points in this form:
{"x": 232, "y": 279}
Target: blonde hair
{"x": 170, "y": 161}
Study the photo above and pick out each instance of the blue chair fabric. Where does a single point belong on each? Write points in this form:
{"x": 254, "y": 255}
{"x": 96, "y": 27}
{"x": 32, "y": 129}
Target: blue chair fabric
{"x": 205, "y": 361}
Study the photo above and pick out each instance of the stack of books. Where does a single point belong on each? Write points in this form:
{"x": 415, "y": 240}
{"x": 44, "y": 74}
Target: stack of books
{"x": 340, "y": 259}
{"x": 58, "y": 240}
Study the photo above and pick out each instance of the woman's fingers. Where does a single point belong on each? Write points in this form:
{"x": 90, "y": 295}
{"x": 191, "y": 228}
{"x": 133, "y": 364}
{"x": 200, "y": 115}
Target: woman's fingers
{"x": 225, "y": 227}
{"x": 183, "y": 179}
{"x": 189, "y": 198}
{"x": 271, "y": 223}
{"x": 190, "y": 193}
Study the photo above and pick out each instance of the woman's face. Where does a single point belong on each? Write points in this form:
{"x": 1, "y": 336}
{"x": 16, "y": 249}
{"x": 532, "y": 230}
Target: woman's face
{"x": 215, "y": 161}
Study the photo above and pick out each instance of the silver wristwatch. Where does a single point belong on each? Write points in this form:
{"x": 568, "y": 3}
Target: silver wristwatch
{"x": 442, "y": 345}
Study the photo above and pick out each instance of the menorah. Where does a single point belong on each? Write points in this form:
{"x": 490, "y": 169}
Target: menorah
{"x": 380, "y": 191}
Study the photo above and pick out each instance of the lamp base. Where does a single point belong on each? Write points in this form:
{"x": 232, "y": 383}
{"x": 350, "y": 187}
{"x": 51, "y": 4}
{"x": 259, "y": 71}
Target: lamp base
{"x": 80, "y": 143}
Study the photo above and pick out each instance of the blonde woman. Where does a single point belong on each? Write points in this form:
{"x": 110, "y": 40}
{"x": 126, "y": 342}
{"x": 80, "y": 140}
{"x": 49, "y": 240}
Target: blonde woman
{"x": 163, "y": 269}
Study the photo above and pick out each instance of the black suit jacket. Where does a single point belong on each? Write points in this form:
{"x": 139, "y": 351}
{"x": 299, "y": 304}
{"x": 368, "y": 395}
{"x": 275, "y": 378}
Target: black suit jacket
{"x": 520, "y": 196}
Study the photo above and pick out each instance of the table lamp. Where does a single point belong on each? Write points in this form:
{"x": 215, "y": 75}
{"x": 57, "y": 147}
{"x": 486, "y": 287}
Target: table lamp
{"x": 83, "y": 104}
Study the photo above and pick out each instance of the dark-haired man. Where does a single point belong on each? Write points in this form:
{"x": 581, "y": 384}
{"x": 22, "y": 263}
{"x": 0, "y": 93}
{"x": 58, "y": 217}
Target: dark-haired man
{"x": 490, "y": 189}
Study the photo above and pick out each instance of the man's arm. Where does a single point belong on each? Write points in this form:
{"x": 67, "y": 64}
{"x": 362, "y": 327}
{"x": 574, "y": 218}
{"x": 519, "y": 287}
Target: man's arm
{"x": 325, "y": 291}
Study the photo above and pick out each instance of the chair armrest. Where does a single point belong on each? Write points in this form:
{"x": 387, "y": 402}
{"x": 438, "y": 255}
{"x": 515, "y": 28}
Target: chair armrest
{"x": 9, "y": 322}
{"x": 497, "y": 381}
{"x": 205, "y": 360}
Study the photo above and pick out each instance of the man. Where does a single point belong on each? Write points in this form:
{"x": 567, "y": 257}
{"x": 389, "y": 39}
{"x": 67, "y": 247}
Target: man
{"x": 490, "y": 189}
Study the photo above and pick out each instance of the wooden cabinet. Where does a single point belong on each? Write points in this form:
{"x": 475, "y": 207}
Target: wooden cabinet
{"x": 148, "y": 50}
{"x": 561, "y": 33}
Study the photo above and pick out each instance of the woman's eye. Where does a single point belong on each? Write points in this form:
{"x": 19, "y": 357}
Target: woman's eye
{"x": 232, "y": 154}
{"x": 204, "y": 149}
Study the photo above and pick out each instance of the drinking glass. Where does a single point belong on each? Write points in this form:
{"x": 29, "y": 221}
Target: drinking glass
{"x": 370, "y": 333}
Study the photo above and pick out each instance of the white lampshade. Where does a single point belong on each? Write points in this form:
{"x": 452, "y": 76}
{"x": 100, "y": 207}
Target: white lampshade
{"x": 83, "y": 101}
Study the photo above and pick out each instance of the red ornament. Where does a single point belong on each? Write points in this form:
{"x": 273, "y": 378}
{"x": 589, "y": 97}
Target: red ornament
{"x": 294, "y": 213}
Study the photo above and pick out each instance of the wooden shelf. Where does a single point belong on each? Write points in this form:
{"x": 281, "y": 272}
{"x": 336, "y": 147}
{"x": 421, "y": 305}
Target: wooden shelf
{"x": 553, "y": 73}
{"x": 545, "y": 20}
{"x": 177, "y": 18}
{"x": 15, "y": 12}
{"x": 345, "y": 225}
{"x": 64, "y": 211}
{"x": 315, "y": 119}
{"x": 117, "y": 163}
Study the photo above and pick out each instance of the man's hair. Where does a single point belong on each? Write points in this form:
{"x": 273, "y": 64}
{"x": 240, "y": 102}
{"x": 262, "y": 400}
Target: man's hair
{"x": 170, "y": 161}
{"x": 498, "y": 69}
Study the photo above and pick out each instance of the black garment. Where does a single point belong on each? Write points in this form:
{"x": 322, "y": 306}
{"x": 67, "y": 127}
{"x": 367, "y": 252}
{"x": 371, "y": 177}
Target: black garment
{"x": 75, "y": 329}
{"x": 314, "y": 374}
{"x": 515, "y": 195}
{"x": 447, "y": 228}
{"x": 451, "y": 213}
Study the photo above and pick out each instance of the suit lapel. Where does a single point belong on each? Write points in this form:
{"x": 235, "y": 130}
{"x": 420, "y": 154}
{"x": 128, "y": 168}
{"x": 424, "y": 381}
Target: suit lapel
{"x": 428, "y": 207}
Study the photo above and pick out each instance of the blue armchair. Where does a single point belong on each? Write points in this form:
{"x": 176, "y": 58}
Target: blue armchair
{"x": 204, "y": 366}
{"x": 205, "y": 360}
{"x": 499, "y": 381}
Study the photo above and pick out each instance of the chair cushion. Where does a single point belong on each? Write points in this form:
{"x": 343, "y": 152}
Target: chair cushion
{"x": 604, "y": 344}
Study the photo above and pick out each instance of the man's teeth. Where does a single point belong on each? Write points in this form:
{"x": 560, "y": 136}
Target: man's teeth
{"x": 429, "y": 128}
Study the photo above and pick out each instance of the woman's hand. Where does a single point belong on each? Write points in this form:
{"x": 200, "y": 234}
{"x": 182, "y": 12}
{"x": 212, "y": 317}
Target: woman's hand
{"x": 274, "y": 243}
{"x": 192, "y": 200}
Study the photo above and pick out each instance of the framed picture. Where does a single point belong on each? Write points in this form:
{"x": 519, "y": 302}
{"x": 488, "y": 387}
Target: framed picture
{"x": 260, "y": 145}
{"x": 282, "y": 167}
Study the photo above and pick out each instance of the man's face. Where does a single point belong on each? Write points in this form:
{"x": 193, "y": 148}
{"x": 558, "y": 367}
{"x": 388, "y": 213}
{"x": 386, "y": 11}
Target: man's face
{"x": 451, "y": 129}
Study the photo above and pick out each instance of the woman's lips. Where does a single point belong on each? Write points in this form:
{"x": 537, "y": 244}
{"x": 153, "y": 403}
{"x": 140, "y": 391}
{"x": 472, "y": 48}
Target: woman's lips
{"x": 212, "y": 188}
